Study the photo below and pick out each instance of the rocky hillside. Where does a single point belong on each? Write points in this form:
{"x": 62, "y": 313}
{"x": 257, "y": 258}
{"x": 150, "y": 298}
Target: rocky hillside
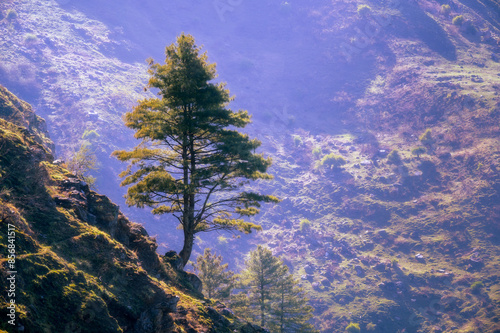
{"x": 80, "y": 265}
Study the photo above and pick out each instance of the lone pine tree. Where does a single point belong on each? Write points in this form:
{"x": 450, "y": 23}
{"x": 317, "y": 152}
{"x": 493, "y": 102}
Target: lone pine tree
{"x": 192, "y": 162}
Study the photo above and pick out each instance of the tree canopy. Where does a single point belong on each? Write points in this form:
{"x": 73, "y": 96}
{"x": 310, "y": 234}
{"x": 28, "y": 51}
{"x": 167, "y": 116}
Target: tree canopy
{"x": 192, "y": 161}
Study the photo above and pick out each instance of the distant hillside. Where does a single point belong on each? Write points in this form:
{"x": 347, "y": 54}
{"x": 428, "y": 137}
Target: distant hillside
{"x": 80, "y": 265}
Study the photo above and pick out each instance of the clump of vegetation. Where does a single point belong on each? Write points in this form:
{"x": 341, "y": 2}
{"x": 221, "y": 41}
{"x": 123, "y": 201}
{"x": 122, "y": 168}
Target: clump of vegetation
{"x": 305, "y": 225}
{"x": 371, "y": 327}
{"x": 222, "y": 240}
{"x": 30, "y": 38}
{"x": 446, "y": 9}
{"x": 427, "y": 138}
{"x": 458, "y": 20}
{"x": 317, "y": 152}
{"x": 476, "y": 287}
{"x": 297, "y": 140}
{"x": 82, "y": 163}
{"x": 364, "y": 10}
{"x": 11, "y": 15}
{"x": 418, "y": 151}
{"x": 353, "y": 328}
{"x": 90, "y": 135}
{"x": 332, "y": 161}
{"x": 394, "y": 157}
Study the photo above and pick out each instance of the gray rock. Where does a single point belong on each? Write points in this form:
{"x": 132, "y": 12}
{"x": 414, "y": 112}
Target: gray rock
{"x": 309, "y": 269}
{"x": 195, "y": 282}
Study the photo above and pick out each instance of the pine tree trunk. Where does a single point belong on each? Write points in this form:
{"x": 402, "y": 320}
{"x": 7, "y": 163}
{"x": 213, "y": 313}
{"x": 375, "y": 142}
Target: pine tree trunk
{"x": 185, "y": 254}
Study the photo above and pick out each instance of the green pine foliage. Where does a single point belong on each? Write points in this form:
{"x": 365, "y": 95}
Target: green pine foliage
{"x": 290, "y": 310}
{"x": 192, "y": 162}
{"x": 272, "y": 297}
{"x": 217, "y": 280}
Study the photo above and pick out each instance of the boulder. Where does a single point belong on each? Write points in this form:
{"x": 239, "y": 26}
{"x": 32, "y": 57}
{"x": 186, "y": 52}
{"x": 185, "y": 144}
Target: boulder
{"x": 195, "y": 282}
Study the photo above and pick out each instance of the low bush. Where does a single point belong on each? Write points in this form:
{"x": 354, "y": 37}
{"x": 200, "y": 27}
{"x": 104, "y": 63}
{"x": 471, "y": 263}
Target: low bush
{"x": 332, "y": 161}
{"x": 394, "y": 157}
{"x": 305, "y": 225}
{"x": 418, "y": 151}
{"x": 458, "y": 20}
{"x": 353, "y": 328}
{"x": 297, "y": 141}
{"x": 317, "y": 152}
{"x": 427, "y": 138}
{"x": 11, "y": 15}
{"x": 446, "y": 9}
{"x": 364, "y": 10}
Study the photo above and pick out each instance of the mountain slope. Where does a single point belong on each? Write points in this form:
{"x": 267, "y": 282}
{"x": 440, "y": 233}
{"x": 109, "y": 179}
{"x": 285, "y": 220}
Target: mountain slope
{"x": 394, "y": 244}
{"x": 80, "y": 265}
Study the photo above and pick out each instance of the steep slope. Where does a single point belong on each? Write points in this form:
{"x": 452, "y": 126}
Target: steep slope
{"x": 395, "y": 241}
{"x": 80, "y": 265}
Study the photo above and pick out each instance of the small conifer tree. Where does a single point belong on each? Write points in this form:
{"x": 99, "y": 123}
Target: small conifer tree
{"x": 273, "y": 297}
{"x": 217, "y": 280}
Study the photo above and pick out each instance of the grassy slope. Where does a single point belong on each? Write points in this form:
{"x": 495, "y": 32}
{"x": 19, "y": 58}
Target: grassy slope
{"x": 370, "y": 220}
{"x": 81, "y": 265}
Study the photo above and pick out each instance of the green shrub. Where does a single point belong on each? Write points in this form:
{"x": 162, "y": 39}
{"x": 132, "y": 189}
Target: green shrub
{"x": 11, "y": 15}
{"x": 394, "y": 157}
{"x": 317, "y": 152}
{"x": 332, "y": 161}
{"x": 30, "y": 38}
{"x": 446, "y": 9}
{"x": 477, "y": 286}
{"x": 364, "y": 10}
{"x": 418, "y": 151}
{"x": 297, "y": 140}
{"x": 458, "y": 20}
{"x": 371, "y": 327}
{"x": 305, "y": 225}
{"x": 90, "y": 135}
{"x": 353, "y": 328}
{"x": 426, "y": 138}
